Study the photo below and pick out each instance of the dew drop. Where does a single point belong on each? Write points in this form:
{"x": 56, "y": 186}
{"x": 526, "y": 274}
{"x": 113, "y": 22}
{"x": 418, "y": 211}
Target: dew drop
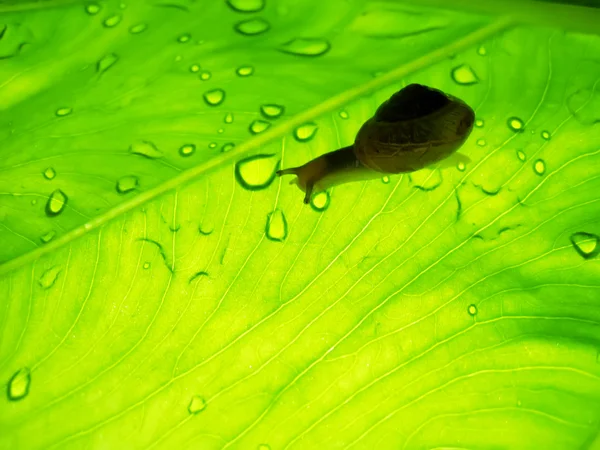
{"x": 320, "y": 201}
{"x": 34, "y": 202}
{"x": 271, "y": 110}
{"x": 146, "y": 149}
{"x": 426, "y": 179}
{"x": 205, "y": 75}
{"x": 479, "y": 123}
{"x": 112, "y": 21}
{"x": 212, "y": 145}
{"x": 18, "y": 385}
{"x": 256, "y": 172}
{"x": 246, "y": 6}
{"x": 205, "y": 230}
{"x": 515, "y": 124}
{"x": 127, "y": 184}
{"x": 244, "y": 71}
{"x": 214, "y": 97}
{"x": 481, "y": 51}
{"x": 586, "y": 244}
{"x": 385, "y": 179}
{"x": 306, "y": 47}
{"x": 92, "y": 9}
{"x": 220, "y": 130}
{"x": 228, "y": 118}
{"x": 464, "y": 75}
{"x": 521, "y": 155}
{"x": 227, "y": 147}
{"x": 306, "y": 132}
{"x": 539, "y": 167}
{"x": 178, "y": 58}
{"x": 184, "y": 38}
{"x": 472, "y": 309}
{"x": 276, "y": 229}
{"x": 461, "y": 166}
{"x": 258, "y": 126}
{"x": 344, "y": 114}
{"x": 49, "y": 277}
{"x": 48, "y": 237}
{"x": 139, "y": 28}
{"x": 252, "y": 27}
{"x": 106, "y": 62}
{"x": 146, "y": 265}
{"x": 197, "y": 404}
{"x": 187, "y": 150}
{"x": 194, "y": 68}
{"x": 546, "y": 135}
{"x": 56, "y": 203}
{"x": 481, "y": 142}
{"x": 49, "y": 173}
{"x": 61, "y": 112}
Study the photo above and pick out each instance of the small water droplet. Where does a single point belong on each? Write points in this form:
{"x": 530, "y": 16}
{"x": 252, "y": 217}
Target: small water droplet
{"x": 320, "y": 201}
{"x": 61, "y": 112}
{"x": 34, "y": 202}
{"x": 146, "y": 265}
{"x": 227, "y": 147}
{"x": 472, "y": 309}
{"x": 426, "y": 179}
{"x": 221, "y": 130}
{"x": 106, "y": 62}
{"x": 56, "y": 203}
{"x": 244, "y": 71}
{"x": 461, "y": 166}
{"x": 586, "y": 244}
{"x": 187, "y": 149}
{"x": 18, "y": 385}
{"x": 178, "y": 58}
{"x": 214, "y": 97}
{"x": 212, "y": 145}
{"x": 519, "y": 403}
{"x": 252, "y": 27}
{"x": 194, "y": 68}
{"x": 48, "y": 236}
{"x": 228, "y": 118}
{"x": 546, "y": 135}
{"x": 306, "y": 132}
{"x": 258, "y": 126}
{"x": 271, "y": 110}
{"x": 205, "y": 75}
{"x": 127, "y": 184}
{"x": 481, "y": 51}
{"x": 385, "y": 179}
{"x": 515, "y": 124}
{"x": 464, "y": 75}
{"x": 479, "y": 123}
{"x": 521, "y": 155}
{"x": 112, "y": 21}
{"x": 306, "y": 47}
{"x": 139, "y": 28}
{"x": 539, "y": 167}
{"x": 197, "y": 404}
{"x": 344, "y": 114}
{"x": 92, "y": 8}
{"x": 256, "y": 172}
{"x": 49, "y": 173}
{"x": 146, "y": 149}
{"x": 276, "y": 229}
{"x": 49, "y": 277}
{"x": 184, "y": 38}
{"x": 481, "y": 142}
{"x": 246, "y": 6}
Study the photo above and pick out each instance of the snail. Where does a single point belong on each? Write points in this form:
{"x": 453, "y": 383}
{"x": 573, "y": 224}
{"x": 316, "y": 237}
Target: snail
{"x": 417, "y": 127}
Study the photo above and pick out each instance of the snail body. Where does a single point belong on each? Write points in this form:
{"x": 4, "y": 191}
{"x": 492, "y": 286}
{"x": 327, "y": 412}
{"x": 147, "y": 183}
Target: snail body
{"x": 417, "y": 127}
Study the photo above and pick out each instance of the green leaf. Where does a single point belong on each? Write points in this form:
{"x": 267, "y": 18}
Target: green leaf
{"x": 163, "y": 289}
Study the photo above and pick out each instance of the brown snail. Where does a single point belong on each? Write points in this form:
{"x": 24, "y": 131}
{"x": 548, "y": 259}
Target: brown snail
{"x": 417, "y": 127}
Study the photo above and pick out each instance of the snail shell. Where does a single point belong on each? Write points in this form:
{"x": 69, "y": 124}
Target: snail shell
{"x": 415, "y": 128}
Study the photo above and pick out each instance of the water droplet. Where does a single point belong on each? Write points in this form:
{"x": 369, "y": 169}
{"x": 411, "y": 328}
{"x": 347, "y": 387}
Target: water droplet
{"x": 205, "y": 229}
{"x": 539, "y": 167}
{"x": 246, "y": 6}
{"x": 49, "y": 277}
{"x": 139, "y": 28}
{"x": 306, "y": 132}
{"x": 112, "y": 21}
{"x": 56, "y": 203}
{"x": 464, "y": 75}
{"x": 481, "y": 142}
{"x": 212, "y": 145}
{"x": 258, "y": 126}
{"x": 197, "y": 404}
{"x": 521, "y": 155}
{"x": 145, "y": 148}
{"x": 221, "y": 130}
{"x": 256, "y": 172}
{"x": 472, "y": 309}
{"x": 18, "y": 385}
{"x": 586, "y": 244}
{"x": 244, "y": 71}
{"x": 461, "y": 166}
{"x": 187, "y": 149}
{"x": 385, "y": 179}
{"x": 146, "y": 265}
{"x": 205, "y": 75}
{"x": 306, "y": 47}
{"x": 184, "y": 38}
{"x": 426, "y": 179}
{"x": 546, "y": 135}
{"x": 272, "y": 111}
{"x": 214, "y": 97}
{"x": 92, "y": 9}
{"x": 320, "y": 202}
{"x": 34, "y": 202}
{"x": 49, "y": 173}
{"x": 228, "y": 118}
{"x": 479, "y": 123}
{"x": 106, "y": 62}
{"x": 127, "y": 184}
{"x": 252, "y": 27}
{"x": 344, "y": 114}
{"x": 194, "y": 68}
{"x": 61, "y": 112}
{"x": 515, "y": 124}
{"x": 481, "y": 51}
{"x": 178, "y": 58}
{"x": 519, "y": 403}
{"x": 276, "y": 228}
{"x": 227, "y": 147}
{"x": 48, "y": 237}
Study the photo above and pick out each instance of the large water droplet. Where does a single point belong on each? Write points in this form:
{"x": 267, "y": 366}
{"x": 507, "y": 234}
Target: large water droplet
{"x": 252, "y": 27}
{"x": 49, "y": 173}
{"x": 320, "y": 201}
{"x": 258, "y": 126}
{"x": 344, "y": 114}
{"x": 205, "y": 75}
{"x": 146, "y": 149}
{"x": 306, "y": 132}
{"x": 515, "y": 124}
{"x": 256, "y": 172}
{"x": 187, "y": 150}
{"x": 61, "y": 112}
{"x": 184, "y": 38}
{"x": 194, "y": 68}
{"x": 481, "y": 142}
{"x": 521, "y": 155}
{"x": 49, "y": 277}
{"x": 464, "y": 75}
{"x": 385, "y": 179}
{"x": 18, "y": 385}
{"x": 197, "y": 404}
{"x": 214, "y": 97}
{"x": 461, "y": 166}
{"x": 106, "y": 62}
{"x": 227, "y": 147}
{"x": 112, "y": 21}
{"x": 244, "y": 71}
{"x": 586, "y": 244}
{"x": 546, "y": 135}
{"x": 472, "y": 310}
{"x": 92, "y": 9}
{"x": 48, "y": 236}
{"x": 479, "y": 123}
{"x": 306, "y": 47}
{"x": 139, "y": 28}
{"x": 276, "y": 229}
{"x": 246, "y": 6}
{"x": 56, "y": 203}
{"x": 127, "y": 184}
{"x": 228, "y": 118}
{"x": 271, "y": 110}
{"x": 539, "y": 167}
